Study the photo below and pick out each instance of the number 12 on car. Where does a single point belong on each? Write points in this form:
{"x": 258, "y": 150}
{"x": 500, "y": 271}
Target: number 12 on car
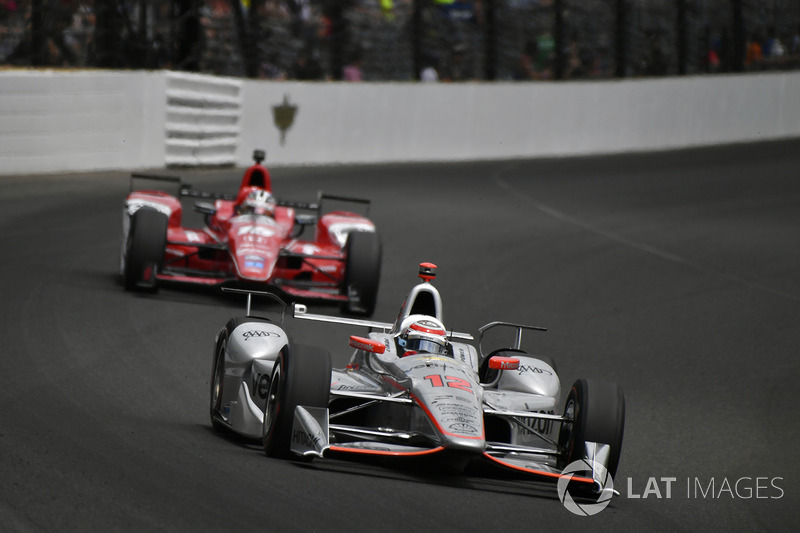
{"x": 452, "y": 381}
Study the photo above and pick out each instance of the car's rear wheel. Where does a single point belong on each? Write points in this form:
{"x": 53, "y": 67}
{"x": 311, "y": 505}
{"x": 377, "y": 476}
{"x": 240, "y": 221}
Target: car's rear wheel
{"x": 597, "y": 413}
{"x": 143, "y": 254}
{"x": 301, "y": 376}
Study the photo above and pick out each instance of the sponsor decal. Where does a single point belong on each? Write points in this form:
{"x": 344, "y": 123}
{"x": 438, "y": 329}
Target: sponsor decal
{"x": 539, "y": 425}
{"x": 304, "y": 439}
{"x": 307, "y": 249}
{"x": 533, "y": 370}
{"x": 436, "y": 380}
{"x": 258, "y": 333}
{"x": 507, "y": 364}
{"x": 263, "y": 231}
{"x": 462, "y": 428}
{"x": 352, "y": 387}
{"x": 192, "y": 236}
{"x": 253, "y": 261}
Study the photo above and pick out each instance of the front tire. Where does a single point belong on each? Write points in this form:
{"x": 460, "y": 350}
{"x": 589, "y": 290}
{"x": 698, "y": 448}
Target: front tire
{"x": 597, "y": 409}
{"x": 362, "y": 272}
{"x": 143, "y": 254}
{"x": 217, "y": 380}
{"x": 301, "y": 376}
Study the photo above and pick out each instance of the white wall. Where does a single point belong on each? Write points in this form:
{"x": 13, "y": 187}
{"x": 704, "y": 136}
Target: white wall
{"x": 52, "y": 122}
{"x": 74, "y": 121}
{"x": 400, "y": 122}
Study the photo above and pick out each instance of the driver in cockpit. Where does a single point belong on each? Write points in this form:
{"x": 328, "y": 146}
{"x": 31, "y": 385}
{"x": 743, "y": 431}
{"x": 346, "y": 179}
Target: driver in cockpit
{"x": 257, "y": 202}
{"x": 422, "y": 334}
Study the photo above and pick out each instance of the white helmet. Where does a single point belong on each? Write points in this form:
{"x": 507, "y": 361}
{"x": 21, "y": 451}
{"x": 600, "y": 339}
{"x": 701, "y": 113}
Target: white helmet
{"x": 258, "y": 202}
{"x": 421, "y": 333}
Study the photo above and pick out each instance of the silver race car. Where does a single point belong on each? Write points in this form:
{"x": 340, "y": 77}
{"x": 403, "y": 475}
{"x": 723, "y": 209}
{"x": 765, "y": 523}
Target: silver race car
{"x": 413, "y": 388}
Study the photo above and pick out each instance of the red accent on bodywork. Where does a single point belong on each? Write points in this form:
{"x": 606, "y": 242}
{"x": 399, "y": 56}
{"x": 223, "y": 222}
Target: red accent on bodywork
{"x": 539, "y": 472}
{"x": 312, "y": 294}
{"x": 330, "y": 220}
{"x": 435, "y": 331}
{"x": 503, "y": 363}
{"x": 369, "y": 345}
{"x": 427, "y": 272}
{"x": 384, "y": 452}
{"x": 192, "y": 279}
{"x": 160, "y": 197}
{"x": 256, "y": 176}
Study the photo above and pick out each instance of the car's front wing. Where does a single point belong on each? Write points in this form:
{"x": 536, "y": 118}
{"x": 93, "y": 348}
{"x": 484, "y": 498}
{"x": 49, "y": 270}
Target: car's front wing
{"x": 311, "y": 437}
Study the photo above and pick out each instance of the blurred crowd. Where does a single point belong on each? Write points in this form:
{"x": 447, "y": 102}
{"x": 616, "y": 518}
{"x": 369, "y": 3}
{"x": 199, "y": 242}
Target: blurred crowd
{"x": 372, "y": 40}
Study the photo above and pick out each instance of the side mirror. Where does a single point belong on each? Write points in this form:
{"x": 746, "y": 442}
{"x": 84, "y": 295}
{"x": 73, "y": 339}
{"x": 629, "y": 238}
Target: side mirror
{"x": 499, "y": 362}
{"x": 369, "y": 345}
{"x": 205, "y": 208}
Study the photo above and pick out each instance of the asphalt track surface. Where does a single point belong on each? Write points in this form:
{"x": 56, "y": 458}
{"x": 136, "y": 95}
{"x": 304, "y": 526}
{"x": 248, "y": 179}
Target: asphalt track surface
{"x": 675, "y": 274}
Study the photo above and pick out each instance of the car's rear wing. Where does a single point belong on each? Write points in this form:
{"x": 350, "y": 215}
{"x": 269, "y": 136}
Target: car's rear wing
{"x": 186, "y": 190}
{"x": 328, "y": 198}
{"x": 264, "y": 294}
{"x": 300, "y": 311}
{"x": 517, "y": 335}
{"x": 174, "y": 181}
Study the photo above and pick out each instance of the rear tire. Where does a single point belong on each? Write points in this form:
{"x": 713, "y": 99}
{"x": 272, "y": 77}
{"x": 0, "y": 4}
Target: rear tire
{"x": 598, "y": 412}
{"x": 362, "y": 272}
{"x": 301, "y": 376}
{"x": 143, "y": 255}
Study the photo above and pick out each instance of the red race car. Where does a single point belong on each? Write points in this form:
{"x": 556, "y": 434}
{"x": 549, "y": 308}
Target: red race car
{"x": 251, "y": 239}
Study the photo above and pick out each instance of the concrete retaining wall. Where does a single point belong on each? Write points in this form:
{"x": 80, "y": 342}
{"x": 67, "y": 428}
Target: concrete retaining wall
{"x": 75, "y": 121}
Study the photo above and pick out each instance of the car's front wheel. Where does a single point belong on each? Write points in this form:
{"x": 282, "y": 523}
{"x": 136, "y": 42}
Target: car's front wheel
{"x": 301, "y": 376}
{"x": 596, "y": 410}
{"x": 362, "y": 272}
{"x": 217, "y": 379}
{"x": 143, "y": 250}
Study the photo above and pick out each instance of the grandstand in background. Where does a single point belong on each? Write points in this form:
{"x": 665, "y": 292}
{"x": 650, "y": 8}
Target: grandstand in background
{"x": 405, "y": 40}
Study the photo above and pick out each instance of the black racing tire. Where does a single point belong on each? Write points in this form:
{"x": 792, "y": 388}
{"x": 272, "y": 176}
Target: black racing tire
{"x": 362, "y": 272}
{"x": 598, "y": 412}
{"x": 301, "y": 376}
{"x": 217, "y": 381}
{"x": 144, "y": 250}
